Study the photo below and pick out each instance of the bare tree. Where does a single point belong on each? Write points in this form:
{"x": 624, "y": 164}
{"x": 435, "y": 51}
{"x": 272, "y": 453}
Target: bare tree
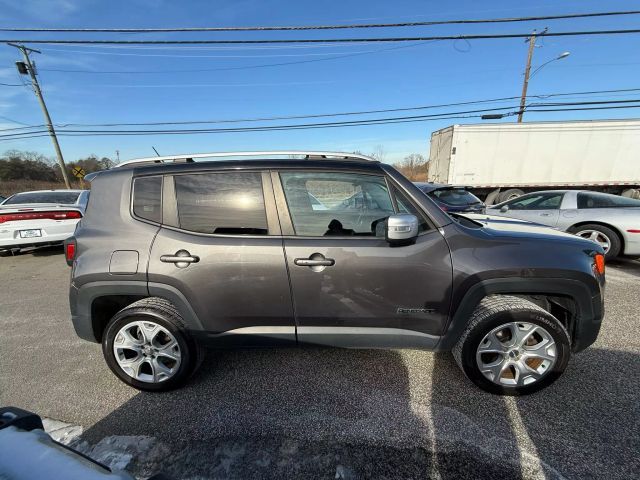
{"x": 414, "y": 167}
{"x": 379, "y": 153}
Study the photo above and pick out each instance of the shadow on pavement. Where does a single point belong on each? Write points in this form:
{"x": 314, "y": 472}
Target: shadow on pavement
{"x": 298, "y": 413}
{"x": 585, "y": 425}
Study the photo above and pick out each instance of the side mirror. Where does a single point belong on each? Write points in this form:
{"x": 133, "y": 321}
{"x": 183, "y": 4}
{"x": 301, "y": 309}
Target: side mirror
{"x": 401, "y": 229}
{"x": 504, "y": 208}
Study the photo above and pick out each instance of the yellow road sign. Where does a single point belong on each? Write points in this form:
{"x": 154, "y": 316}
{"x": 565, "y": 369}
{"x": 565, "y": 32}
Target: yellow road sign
{"x": 78, "y": 172}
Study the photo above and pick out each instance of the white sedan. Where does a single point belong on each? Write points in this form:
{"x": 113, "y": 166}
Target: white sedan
{"x": 45, "y": 217}
{"x": 610, "y": 220}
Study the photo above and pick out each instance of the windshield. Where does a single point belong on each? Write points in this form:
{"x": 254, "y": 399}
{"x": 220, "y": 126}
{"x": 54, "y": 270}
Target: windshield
{"x": 456, "y": 196}
{"x": 65, "y": 198}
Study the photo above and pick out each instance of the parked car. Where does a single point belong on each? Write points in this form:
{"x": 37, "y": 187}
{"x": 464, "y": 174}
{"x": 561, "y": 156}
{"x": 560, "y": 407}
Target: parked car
{"x": 2, "y": 198}
{"x": 45, "y": 217}
{"x": 610, "y": 220}
{"x": 174, "y": 254}
{"x": 451, "y": 198}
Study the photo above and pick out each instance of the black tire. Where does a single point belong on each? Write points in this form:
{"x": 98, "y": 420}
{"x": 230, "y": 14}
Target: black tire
{"x": 614, "y": 239}
{"x": 163, "y": 313}
{"x": 510, "y": 194}
{"x": 494, "y": 311}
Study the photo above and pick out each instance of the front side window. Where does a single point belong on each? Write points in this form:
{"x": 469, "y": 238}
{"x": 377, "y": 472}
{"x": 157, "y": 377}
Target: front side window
{"x": 336, "y": 204}
{"x": 540, "y": 201}
{"x": 405, "y": 206}
{"x": 230, "y": 203}
{"x": 604, "y": 200}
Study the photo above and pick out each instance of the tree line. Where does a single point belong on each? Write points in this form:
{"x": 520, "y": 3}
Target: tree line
{"x": 19, "y": 165}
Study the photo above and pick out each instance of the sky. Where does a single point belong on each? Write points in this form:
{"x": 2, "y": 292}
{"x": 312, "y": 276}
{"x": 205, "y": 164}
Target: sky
{"x": 334, "y": 78}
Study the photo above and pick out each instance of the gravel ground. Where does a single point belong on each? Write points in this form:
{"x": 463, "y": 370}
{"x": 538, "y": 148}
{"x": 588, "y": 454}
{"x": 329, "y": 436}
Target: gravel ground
{"x": 326, "y": 413}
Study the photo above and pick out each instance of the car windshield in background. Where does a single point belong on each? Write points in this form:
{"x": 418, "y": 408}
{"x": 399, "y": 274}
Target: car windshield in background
{"x": 64, "y": 198}
{"x": 456, "y": 196}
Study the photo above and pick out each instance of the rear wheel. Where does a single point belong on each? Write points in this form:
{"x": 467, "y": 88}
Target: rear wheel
{"x": 147, "y": 346}
{"x": 604, "y": 236}
{"x": 510, "y": 194}
{"x": 512, "y": 346}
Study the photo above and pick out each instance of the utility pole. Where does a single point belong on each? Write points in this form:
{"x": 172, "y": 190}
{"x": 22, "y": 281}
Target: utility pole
{"x": 28, "y": 68}
{"x": 527, "y": 70}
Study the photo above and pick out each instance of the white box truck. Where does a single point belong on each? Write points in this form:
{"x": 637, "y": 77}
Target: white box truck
{"x": 502, "y": 161}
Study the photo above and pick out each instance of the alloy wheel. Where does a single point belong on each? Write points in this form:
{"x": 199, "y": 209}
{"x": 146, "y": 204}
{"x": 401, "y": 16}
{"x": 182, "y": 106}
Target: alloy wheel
{"x": 146, "y": 351}
{"x": 596, "y": 236}
{"x": 516, "y": 354}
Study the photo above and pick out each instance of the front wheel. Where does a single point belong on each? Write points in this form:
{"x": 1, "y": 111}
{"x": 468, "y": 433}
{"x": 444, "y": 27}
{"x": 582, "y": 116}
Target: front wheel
{"x": 148, "y": 348}
{"x": 512, "y": 346}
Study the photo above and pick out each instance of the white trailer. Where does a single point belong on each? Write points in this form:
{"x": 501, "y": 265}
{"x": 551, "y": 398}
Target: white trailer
{"x": 501, "y": 161}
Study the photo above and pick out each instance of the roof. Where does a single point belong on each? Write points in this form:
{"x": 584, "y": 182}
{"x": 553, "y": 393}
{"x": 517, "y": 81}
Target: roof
{"x": 47, "y": 191}
{"x": 245, "y": 164}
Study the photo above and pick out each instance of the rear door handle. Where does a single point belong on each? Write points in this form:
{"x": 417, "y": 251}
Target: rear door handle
{"x": 545, "y": 214}
{"x": 181, "y": 259}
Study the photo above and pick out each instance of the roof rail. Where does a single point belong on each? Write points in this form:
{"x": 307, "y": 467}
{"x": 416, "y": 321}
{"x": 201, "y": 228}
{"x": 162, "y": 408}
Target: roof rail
{"x": 190, "y": 157}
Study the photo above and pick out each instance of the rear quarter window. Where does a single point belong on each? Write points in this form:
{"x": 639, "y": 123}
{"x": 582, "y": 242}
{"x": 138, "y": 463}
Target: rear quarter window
{"x": 604, "y": 200}
{"x": 147, "y": 198}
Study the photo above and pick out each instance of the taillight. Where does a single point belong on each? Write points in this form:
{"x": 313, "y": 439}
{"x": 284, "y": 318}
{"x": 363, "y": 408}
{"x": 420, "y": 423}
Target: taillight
{"x": 55, "y": 215}
{"x": 598, "y": 263}
{"x": 70, "y": 250}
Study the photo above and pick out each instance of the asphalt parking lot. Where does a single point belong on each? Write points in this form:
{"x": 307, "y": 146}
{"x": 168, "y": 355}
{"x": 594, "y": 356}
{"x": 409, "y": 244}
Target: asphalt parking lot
{"x": 328, "y": 413}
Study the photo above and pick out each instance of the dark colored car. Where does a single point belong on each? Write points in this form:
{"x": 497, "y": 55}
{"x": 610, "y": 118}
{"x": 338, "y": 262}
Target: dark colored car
{"x": 452, "y": 198}
{"x": 174, "y": 254}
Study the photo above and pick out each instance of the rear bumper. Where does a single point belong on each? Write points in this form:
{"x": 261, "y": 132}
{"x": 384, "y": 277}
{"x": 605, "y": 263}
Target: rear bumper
{"x": 50, "y": 233}
{"x": 632, "y": 244}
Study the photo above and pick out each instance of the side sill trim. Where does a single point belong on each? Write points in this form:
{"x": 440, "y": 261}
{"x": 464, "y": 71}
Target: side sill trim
{"x": 366, "y": 337}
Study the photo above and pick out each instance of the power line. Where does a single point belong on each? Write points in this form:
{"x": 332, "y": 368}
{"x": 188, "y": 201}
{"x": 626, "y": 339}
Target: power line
{"x": 322, "y": 27}
{"x": 303, "y": 127}
{"x": 246, "y": 67}
{"x": 325, "y": 115}
{"x": 12, "y": 84}
{"x": 329, "y": 40}
{"x": 571, "y": 106}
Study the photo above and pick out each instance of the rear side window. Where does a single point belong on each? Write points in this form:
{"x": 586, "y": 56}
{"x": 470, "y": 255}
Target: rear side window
{"x": 603, "y": 200}
{"x": 224, "y": 203}
{"x": 147, "y": 195}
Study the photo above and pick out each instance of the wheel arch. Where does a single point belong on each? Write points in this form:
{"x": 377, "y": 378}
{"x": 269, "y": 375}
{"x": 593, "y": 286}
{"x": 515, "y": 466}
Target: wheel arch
{"x": 95, "y": 303}
{"x": 584, "y": 325}
{"x": 603, "y": 224}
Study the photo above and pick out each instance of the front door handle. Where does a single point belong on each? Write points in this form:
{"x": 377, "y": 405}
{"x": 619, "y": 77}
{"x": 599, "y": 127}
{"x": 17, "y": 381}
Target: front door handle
{"x": 317, "y": 262}
{"x": 181, "y": 259}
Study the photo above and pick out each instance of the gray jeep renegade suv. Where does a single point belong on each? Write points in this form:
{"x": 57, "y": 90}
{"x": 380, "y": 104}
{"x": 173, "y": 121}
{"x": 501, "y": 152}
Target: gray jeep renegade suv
{"x": 329, "y": 249}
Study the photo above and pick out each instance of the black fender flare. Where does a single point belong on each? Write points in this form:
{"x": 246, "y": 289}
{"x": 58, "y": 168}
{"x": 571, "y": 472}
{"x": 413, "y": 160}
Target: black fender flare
{"x": 82, "y": 298}
{"x": 588, "y": 302}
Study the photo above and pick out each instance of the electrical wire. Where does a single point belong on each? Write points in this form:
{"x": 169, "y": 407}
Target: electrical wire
{"x": 290, "y": 127}
{"x": 246, "y": 67}
{"x": 317, "y": 40}
{"x": 335, "y": 114}
{"x": 324, "y": 27}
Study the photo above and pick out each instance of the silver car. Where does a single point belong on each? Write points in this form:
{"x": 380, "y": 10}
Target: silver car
{"x": 610, "y": 220}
